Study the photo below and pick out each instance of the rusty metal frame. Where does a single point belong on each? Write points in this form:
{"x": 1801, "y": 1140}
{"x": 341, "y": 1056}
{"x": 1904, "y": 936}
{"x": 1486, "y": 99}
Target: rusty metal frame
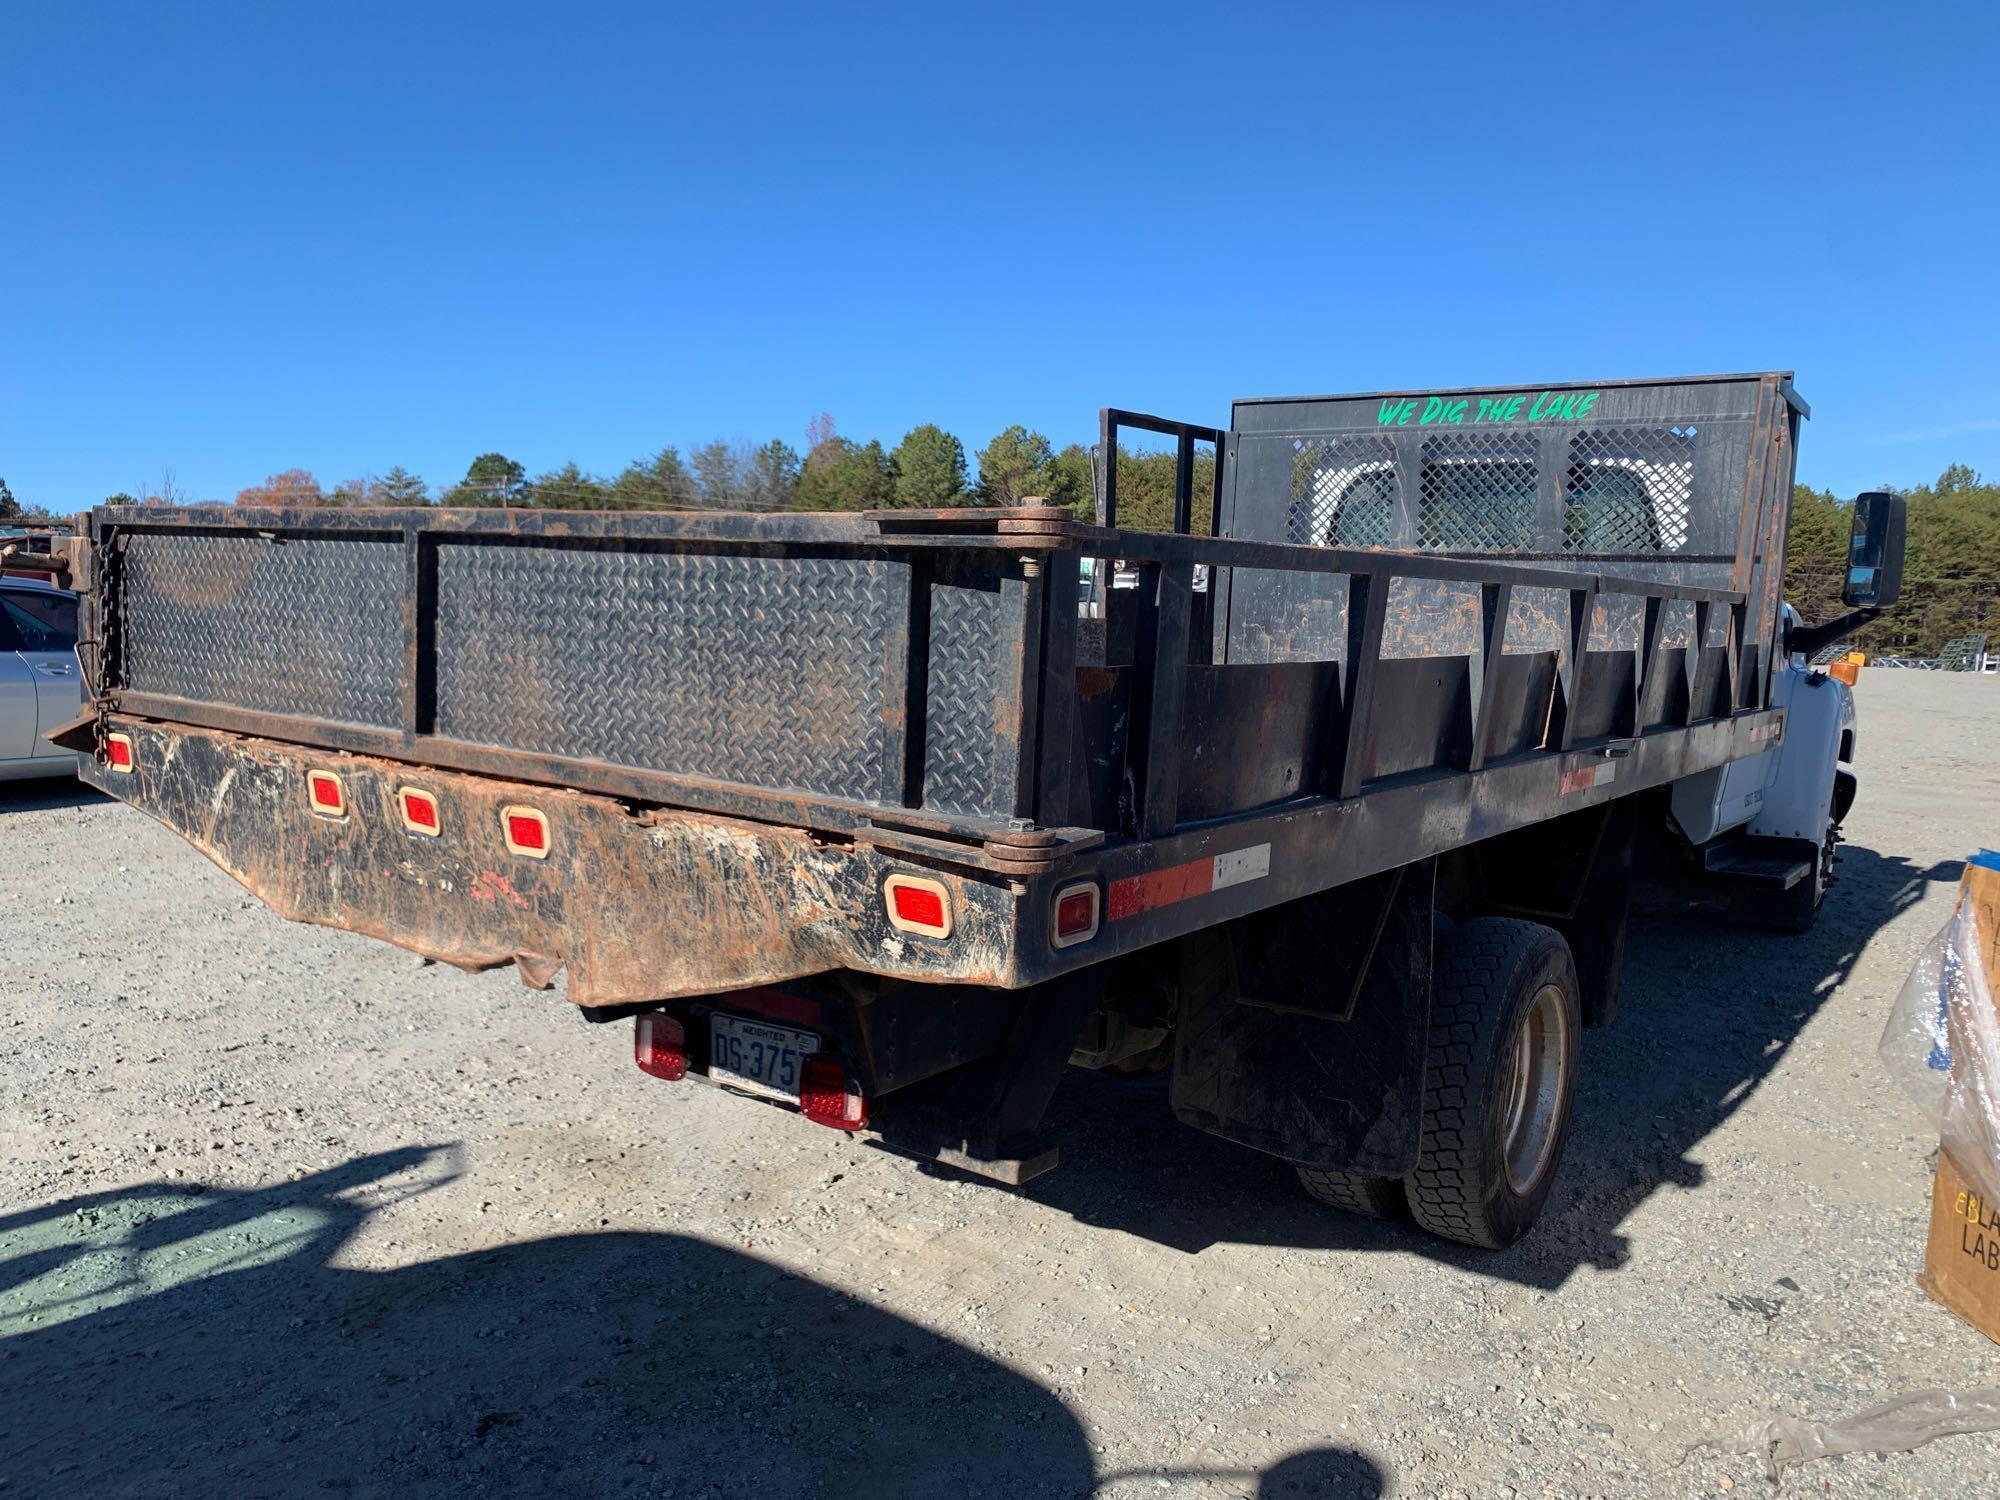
{"x": 1036, "y": 828}
{"x": 1687, "y": 707}
{"x": 1112, "y": 420}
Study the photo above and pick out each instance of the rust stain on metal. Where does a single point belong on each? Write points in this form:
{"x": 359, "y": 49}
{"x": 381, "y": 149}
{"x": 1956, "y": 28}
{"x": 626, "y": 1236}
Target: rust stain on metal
{"x": 1095, "y": 682}
{"x": 491, "y": 885}
{"x": 631, "y": 904}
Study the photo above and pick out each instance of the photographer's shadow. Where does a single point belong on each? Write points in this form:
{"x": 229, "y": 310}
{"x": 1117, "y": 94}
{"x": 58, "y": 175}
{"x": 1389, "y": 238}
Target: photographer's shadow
{"x": 171, "y": 1340}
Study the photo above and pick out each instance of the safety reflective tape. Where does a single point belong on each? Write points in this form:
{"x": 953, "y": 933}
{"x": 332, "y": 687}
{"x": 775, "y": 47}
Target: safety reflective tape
{"x": 1583, "y": 778}
{"x": 1198, "y": 877}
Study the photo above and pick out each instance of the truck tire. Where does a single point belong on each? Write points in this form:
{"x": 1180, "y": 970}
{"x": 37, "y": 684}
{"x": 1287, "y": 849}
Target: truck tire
{"x": 1357, "y": 1192}
{"x": 1499, "y": 1081}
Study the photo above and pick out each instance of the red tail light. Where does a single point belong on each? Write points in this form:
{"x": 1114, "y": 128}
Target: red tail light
{"x": 1076, "y": 915}
{"x": 326, "y": 795}
{"x": 659, "y": 1046}
{"x": 419, "y": 809}
{"x": 824, "y": 1095}
{"x": 527, "y": 831}
{"x": 918, "y": 905}
{"x": 118, "y": 752}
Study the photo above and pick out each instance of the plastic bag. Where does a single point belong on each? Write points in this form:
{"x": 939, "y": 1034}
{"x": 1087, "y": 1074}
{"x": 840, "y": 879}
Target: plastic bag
{"x": 1942, "y": 1044}
{"x": 1893, "y": 1427}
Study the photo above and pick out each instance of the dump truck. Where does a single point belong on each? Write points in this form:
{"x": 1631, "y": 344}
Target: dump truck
{"x": 1328, "y": 808}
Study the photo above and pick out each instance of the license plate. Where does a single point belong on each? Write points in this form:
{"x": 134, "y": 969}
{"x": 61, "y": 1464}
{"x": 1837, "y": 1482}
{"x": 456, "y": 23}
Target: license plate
{"x": 757, "y": 1056}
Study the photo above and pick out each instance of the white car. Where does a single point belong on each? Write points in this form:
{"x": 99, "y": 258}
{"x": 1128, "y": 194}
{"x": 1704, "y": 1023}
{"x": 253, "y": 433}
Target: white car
{"x": 41, "y": 681}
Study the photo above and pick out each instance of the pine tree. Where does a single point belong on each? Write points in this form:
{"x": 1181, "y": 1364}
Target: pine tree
{"x": 1014, "y": 466}
{"x": 400, "y": 487}
{"x": 928, "y": 468}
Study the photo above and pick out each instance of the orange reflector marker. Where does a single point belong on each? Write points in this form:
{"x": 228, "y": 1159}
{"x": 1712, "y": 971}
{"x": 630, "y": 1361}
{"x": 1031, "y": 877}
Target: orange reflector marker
{"x": 419, "y": 810}
{"x": 527, "y": 831}
{"x": 118, "y": 753}
{"x": 1076, "y": 915}
{"x": 659, "y": 1046}
{"x": 825, "y": 1097}
{"x": 325, "y": 794}
{"x": 918, "y": 905}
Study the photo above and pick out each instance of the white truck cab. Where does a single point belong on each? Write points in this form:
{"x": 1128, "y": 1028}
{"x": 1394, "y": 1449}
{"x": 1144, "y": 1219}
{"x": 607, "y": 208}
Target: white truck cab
{"x": 1771, "y": 822}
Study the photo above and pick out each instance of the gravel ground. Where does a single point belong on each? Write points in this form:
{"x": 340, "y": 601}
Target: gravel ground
{"x": 286, "y": 1211}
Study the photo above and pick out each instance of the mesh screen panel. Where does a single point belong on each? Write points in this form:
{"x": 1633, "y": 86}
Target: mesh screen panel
{"x": 1345, "y": 492}
{"x": 1629, "y": 489}
{"x": 1478, "y": 493}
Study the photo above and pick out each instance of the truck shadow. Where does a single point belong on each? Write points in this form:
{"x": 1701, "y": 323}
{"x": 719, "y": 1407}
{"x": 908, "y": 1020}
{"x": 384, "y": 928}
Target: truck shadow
{"x": 1709, "y": 1012}
{"x": 170, "y": 1339}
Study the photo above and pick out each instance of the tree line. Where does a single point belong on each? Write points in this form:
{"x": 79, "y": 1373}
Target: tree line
{"x": 1951, "y": 570}
{"x": 928, "y": 469}
{"x": 1951, "y": 579}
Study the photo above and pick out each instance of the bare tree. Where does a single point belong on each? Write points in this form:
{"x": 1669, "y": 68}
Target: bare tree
{"x": 166, "y": 492}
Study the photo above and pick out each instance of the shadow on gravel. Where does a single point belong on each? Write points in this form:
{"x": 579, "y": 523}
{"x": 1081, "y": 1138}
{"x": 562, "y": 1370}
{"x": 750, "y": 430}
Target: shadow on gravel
{"x": 1709, "y": 1011}
{"x": 47, "y": 794}
{"x": 171, "y": 1340}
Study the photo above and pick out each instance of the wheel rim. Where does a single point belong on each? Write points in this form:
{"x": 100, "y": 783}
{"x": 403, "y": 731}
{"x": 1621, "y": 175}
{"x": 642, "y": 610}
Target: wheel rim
{"x": 1536, "y": 1087}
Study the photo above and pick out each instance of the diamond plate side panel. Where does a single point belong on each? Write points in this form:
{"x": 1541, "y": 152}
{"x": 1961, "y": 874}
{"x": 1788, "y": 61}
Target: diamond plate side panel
{"x": 293, "y": 625}
{"x": 962, "y": 772}
{"x": 766, "y": 671}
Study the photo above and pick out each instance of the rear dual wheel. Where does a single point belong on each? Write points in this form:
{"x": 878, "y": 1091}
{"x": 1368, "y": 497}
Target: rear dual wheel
{"x": 1499, "y": 1082}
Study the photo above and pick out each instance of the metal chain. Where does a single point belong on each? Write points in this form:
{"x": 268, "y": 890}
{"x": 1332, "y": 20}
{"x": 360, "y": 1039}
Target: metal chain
{"x": 107, "y": 585}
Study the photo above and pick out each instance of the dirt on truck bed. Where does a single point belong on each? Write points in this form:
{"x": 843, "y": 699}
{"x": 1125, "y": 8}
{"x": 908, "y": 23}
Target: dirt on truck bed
{"x": 286, "y": 1211}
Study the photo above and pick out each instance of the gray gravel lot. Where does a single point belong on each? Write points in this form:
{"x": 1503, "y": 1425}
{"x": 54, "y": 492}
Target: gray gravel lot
{"x": 285, "y": 1211}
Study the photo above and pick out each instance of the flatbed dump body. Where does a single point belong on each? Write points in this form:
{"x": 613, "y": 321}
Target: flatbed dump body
{"x": 912, "y": 690}
{"x": 884, "y": 777}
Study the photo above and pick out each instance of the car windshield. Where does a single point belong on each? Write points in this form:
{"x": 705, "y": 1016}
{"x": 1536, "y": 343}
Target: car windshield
{"x": 38, "y": 621}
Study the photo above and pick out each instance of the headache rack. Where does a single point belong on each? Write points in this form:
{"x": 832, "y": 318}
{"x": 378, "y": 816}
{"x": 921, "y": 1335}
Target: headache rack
{"x": 1545, "y": 613}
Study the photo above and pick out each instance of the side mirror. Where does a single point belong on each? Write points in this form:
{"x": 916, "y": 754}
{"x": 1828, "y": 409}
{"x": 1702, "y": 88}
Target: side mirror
{"x": 1875, "y": 550}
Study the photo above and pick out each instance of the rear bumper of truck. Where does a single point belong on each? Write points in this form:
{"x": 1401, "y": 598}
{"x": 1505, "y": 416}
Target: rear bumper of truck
{"x": 632, "y": 905}
{"x": 641, "y": 903}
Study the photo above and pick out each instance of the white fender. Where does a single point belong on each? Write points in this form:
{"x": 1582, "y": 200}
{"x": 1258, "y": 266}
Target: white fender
{"x": 1786, "y": 792}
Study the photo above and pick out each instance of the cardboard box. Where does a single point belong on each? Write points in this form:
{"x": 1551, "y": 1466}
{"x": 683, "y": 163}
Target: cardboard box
{"x": 1962, "y": 1260}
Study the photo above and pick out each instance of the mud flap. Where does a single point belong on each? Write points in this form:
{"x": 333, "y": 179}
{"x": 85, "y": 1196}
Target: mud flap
{"x": 1574, "y": 874}
{"x": 985, "y": 1117}
{"x": 1303, "y": 1029}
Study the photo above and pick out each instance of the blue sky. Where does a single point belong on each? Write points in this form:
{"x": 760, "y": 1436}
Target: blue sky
{"x": 242, "y": 238}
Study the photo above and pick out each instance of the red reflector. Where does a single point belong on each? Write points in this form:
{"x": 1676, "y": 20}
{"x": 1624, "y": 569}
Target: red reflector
{"x": 527, "y": 831}
{"x": 824, "y": 1096}
{"x": 1076, "y": 915}
{"x": 323, "y": 789}
{"x": 918, "y": 905}
{"x": 118, "y": 752}
{"x": 420, "y": 810}
{"x": 659, "y": 1046}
